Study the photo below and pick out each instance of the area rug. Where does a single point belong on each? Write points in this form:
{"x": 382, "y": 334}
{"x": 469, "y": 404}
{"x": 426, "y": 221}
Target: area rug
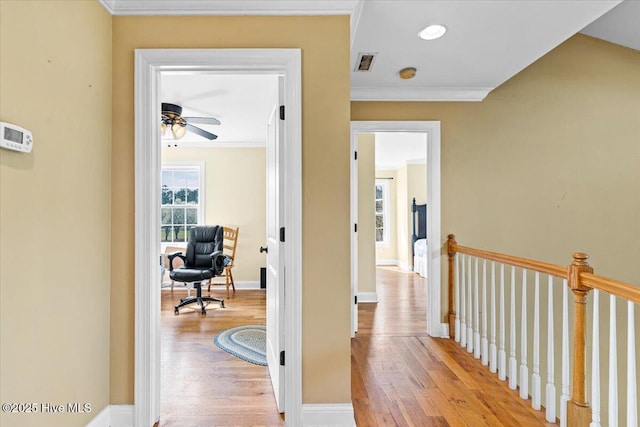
{"x": 247, "y": 342}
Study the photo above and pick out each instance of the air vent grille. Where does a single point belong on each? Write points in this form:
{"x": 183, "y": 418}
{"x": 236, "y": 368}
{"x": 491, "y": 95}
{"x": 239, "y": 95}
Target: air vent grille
{"x": 365, "y": 61}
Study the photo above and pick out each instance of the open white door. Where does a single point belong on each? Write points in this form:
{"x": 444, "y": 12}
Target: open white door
{"x": 354, "y": 234}
{"x": 275, "y": 243}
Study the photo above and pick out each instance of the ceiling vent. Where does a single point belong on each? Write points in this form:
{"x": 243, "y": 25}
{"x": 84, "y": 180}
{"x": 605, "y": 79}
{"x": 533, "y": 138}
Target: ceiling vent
{"x": 365, "y": 61}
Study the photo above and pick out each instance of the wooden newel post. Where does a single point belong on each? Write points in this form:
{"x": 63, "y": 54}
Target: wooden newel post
{"x": 451, "y": 242}
{"x": 578, "y": 411}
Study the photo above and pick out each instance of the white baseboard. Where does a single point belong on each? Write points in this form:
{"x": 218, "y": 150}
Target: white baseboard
{"x": 114, "y": 416}
{"x": 405, "y": 266}
{"x": 246, "y": 284}
{"x": 385, "y": 261}
{"x": 367, "y": 297}
{"x": 102, "y": 419}
{"x": 329, "y": 415}
{"x": 444, "y": 330}
{"x": 313, "y": 415}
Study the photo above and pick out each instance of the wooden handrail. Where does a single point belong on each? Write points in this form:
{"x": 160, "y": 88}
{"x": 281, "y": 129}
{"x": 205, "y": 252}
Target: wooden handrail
{"x": 581, "y": 281}
{"x": 611, "y": 286}
{"x": 529, "y": 264}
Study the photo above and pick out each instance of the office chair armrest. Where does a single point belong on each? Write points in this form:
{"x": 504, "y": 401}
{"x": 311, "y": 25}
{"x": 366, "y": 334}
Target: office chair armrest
{"x": 174, "y": 255}
{"x": 217, "y": 261}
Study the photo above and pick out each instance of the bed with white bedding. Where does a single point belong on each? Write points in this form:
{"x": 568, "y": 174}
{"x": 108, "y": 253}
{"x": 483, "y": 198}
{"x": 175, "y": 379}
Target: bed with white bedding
{"x": 419, "y": 238}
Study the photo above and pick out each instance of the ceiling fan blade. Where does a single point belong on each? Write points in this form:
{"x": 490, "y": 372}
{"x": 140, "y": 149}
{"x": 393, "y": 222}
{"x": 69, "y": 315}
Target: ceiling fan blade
{"x": 201, "y": 132}
{"x": 202, "y": 120}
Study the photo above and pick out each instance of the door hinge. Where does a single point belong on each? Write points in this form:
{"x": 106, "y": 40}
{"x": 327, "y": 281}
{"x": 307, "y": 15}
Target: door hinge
{"x": 355, "y": 299}
{"x": 282, "y": 234}
{"x": 282, "y": 112}
{"x": 355, "y": 155}
{"x": 282, "y": 358}
{"x": 355, "y": 228}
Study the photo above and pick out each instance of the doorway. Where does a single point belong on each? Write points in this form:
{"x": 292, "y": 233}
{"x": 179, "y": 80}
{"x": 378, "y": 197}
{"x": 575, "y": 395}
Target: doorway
{"x": 431, "y": 130}
{"x": 149, "y": 64}
{"x": 215, "y": 174}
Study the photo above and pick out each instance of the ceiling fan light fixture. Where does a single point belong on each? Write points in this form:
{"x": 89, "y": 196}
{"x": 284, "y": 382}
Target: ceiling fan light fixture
{"x": 171, "y": 118}
{"x": 432, "y": 32}
{"x": 178, "y": 130}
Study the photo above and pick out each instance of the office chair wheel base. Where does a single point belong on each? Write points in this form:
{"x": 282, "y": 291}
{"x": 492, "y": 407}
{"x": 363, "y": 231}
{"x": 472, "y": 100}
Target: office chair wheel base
{"x": 221, "y": 304}
{"x": 175, "y": 311}
{"x": 203, "y": 312}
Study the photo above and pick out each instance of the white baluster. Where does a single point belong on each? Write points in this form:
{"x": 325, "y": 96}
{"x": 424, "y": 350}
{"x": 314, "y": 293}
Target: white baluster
{"x": 564, "y": 396}
{"x": 613, "y": 364}
{"x": 493, "y": 350}
{"x": 470, "y": 309}
{"x": 632, "y": 389}
{"x": 463, "y": 302}
{"x": 476, "y": 314}
{"x": 551, "y": 388}
{"x": 524, "y": 369}
{"x": 456, "y": 293}
{"x": 502, "y": 354}
{"x": 535, "y": 377}
{"x": 484, "y": 342}
{"x": 513, "y": 363}
{"x": 595, "y": 362}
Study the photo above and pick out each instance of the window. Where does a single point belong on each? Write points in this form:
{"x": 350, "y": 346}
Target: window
{"x": 382, "y": 212}
{"x": 182, "y": 200}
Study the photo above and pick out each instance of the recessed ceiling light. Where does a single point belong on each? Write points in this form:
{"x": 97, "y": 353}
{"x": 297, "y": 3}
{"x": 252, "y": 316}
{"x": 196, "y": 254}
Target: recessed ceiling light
{"x": 432, "y": 32}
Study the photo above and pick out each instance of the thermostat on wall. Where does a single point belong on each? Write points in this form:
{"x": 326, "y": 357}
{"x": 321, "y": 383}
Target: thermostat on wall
{"x": 15, "y": 138}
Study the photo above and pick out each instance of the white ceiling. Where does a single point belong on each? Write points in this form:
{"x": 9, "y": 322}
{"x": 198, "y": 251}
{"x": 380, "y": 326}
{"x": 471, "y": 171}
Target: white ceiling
{"x": 487, "y": 43}
{"x": 621, "y": 25}
{"x": 242, "y": 103}
{"x": 394, "y": 150}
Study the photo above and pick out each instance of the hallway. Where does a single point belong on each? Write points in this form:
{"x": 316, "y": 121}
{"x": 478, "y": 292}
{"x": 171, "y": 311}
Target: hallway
{"x": 402, "y": 377}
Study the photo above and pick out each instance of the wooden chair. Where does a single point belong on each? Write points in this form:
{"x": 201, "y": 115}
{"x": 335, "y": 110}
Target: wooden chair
{"x": 229, "y": 248}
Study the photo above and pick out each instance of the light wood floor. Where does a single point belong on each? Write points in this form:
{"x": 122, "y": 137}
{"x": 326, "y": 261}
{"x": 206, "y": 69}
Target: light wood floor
{"x": 203, "y": 386}
{"x": 399, "y": 376}
{"x": 402, "y": 377}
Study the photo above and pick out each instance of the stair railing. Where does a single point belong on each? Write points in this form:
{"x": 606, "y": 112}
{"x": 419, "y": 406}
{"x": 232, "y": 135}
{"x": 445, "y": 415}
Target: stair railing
{"x": 480, "y": 325}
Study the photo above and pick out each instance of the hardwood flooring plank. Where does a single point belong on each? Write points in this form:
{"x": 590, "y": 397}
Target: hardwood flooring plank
{"x": 403, "y": 377}
{"x": 399, "y": 375}
{"x": 202, "y": 385}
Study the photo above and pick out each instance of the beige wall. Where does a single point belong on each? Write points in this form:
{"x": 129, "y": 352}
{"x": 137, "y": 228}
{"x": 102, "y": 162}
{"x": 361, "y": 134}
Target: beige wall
{"x": 325, "y": 170}
{"x": 235, "y": 196}
{"x": 389, "y": 252}
{"x": 55, "y": 208}
{"x": 366, "y": 217}
{"x": 416, "y": 187}
{"x": 411, "y": 181}
{"x": 547, "y": 164}
{"x": 403, "y": 226}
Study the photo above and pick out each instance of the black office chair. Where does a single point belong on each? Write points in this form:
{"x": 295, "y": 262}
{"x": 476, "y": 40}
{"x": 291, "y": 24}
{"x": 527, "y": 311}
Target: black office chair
{"x": 203, "y": 260}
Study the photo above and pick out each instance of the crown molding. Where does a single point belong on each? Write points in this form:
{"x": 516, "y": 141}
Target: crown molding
{"x": 109, "y": 5}
{"x": 230, "y": 7}
{"x": 355, "y": 19}
{"x": 417, "y": 94}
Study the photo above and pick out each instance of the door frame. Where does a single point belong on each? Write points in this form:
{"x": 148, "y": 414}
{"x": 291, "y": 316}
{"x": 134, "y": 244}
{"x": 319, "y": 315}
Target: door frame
{"x": 434, "y": 324}
{"x": 149, "y": 63}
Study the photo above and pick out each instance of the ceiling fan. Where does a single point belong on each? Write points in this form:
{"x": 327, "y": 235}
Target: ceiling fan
{"x": 172, "y": 119}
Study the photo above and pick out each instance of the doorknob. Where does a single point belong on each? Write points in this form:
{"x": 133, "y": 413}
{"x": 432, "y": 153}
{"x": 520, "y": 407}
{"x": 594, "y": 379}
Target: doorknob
{"x": 263, "y": 249}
